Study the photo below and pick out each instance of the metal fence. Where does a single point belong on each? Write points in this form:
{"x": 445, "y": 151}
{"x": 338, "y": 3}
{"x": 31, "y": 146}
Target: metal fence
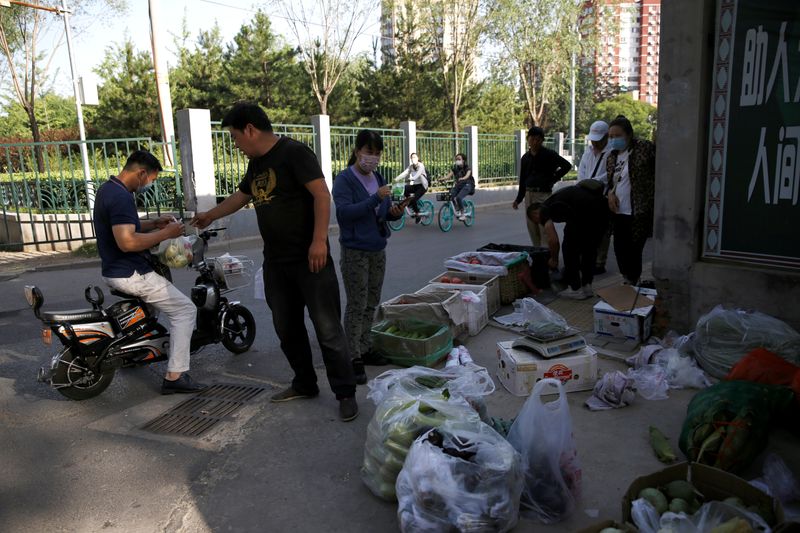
{"x": 437, "y": 151}
{"x": 394, "y": 158}
{"x": 230, "y": 164}
{"x": 45, "y": 197}
{"x": 497, "y": 159}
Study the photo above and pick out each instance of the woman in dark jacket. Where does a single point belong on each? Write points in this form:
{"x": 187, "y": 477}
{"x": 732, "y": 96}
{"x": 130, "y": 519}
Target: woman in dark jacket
{"x": 631, "y": 168}
{"x": 363, "y": 206}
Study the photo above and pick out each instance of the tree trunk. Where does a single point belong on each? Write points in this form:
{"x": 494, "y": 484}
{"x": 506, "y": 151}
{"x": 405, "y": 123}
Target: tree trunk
{"x": 37, "y": 137}
{"x": 323, "y": 104}
{"x": 454, "y": 117}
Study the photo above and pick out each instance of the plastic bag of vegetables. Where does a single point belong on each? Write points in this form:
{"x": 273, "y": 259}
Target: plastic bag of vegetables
{"x": 177, "y": 252}
{"x": 724, "y": 336}
{"x": 398, "y": 421}
{"x": 466, "y": 381}
{"x": 459, "y": 477}
{"x": 542, "y": 322}
{"x": 712, "y": 517}
{"x": 542, "y": 434}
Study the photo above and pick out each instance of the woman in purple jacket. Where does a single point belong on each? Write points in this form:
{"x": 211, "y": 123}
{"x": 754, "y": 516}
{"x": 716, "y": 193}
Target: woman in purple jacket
{"x": 363, "y": 207}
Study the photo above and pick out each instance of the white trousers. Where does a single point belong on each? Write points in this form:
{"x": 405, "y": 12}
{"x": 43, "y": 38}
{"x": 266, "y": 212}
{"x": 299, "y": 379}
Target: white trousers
{"x": 164, "y": 296}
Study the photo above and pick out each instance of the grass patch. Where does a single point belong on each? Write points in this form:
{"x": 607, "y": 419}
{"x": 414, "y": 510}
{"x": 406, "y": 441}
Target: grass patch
{"x": 87, "y": 250}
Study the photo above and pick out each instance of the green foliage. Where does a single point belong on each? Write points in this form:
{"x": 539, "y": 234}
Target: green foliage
{"x": 128, "y": 99}
{"x": 495, "y": 108}
{"x": 641, "y": 114}
{"x": 87, "y": 250}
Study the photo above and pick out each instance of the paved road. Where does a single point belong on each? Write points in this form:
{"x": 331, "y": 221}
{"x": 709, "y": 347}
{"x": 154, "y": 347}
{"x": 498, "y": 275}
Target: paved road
{"x": 85, "y": 466}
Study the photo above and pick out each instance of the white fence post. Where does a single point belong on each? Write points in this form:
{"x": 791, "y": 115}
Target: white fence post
{"x": 322, "y": 146}
{"x": 409, "y": 128}
{"x": 472, "y": 151}
{"x": 197, "y": 159}
{"x": 521, "y": 146}
{"x": 559, "y": 142}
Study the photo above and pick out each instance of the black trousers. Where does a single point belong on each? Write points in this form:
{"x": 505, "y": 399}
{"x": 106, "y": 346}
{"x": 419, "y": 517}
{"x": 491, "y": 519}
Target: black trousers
{"x": 290, "y": 288}
{"x": 580, "y": 251}
{"x": 417, "y": 190}
{"x": 627, "y": 249}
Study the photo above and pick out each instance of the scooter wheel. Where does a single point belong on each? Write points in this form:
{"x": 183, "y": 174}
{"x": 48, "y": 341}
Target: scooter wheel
{"x": 75, "y": 381}
{"x": 238, "y": 329}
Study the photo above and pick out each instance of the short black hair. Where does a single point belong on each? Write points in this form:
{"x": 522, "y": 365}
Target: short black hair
{"x": 535, "y": 131}
{"x": 369, "y": 138}
{"x": 244, "y": 113}
{"x": 544, "y": 212}
{"x": 143, "y": 158}
{"x": 623, "y": 122}
{"x": 462, "y": 156}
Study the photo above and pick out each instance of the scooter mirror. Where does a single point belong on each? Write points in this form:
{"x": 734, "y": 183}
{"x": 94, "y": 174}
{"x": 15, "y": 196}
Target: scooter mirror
{"x": 34, "y": 296}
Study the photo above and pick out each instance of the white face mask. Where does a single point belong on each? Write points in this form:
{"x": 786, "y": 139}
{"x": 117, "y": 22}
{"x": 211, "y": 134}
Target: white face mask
{"x": 459, "y": 162}
{"x": 415, "y": 162}
{"x": 369, "y": 163}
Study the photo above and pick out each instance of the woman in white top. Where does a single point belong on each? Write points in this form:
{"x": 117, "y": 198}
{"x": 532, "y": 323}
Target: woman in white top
{"x": 416, "y": 183}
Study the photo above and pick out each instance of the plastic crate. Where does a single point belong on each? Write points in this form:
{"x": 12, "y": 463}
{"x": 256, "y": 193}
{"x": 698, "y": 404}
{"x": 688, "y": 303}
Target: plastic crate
{"x": 492, "y": 284}
{"x": 435, "y": 343}
{"x": 477, "y": 314}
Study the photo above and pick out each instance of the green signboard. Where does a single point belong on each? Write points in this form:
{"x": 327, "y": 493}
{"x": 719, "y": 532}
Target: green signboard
{"x": 752, "y": 212}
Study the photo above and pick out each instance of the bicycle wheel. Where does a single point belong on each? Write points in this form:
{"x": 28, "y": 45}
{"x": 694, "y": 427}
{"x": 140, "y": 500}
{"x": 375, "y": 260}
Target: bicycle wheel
{"x": 426, "y": 211}
{"x": 469, "y": 213}
{"x": 398, "y": 224}
{"x": 446, "y": 215}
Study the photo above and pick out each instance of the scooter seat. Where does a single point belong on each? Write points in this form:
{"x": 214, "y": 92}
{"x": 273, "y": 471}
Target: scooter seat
{"x": 77, "y": 315}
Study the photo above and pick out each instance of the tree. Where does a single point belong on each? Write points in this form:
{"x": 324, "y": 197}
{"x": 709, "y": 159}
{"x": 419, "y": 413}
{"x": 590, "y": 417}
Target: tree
{"x": 199, "y": 80}
{"x": 22, "y": 29}
{"x": 454, "y": 29}
{"x": 496, "y": 108}
{"x": 537, "y": 40}
{"x": 641, "y": 114}
{"x": 53, "y": 112}
{"x": 128, "y": 100}
{"x": 261, "y": 67}
{"x": 325, "y": 32}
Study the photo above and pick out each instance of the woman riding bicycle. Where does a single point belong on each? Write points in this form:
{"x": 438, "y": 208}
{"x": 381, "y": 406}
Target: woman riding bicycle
{"x": 416, "y": 179}
{"x": 464, "y": 185}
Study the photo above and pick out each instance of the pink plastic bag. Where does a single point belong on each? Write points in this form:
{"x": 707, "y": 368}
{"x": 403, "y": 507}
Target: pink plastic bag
{"x": 542, "y": 434}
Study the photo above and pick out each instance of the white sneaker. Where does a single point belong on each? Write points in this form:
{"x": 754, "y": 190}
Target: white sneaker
{"x": 573, "y": 294}
{"x": 587, "y": 291}
{"x": 462, "y": 217}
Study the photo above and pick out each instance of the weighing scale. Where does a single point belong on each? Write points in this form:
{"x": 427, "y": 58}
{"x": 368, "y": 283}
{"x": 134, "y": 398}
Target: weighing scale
{"x": 569, "y": 341}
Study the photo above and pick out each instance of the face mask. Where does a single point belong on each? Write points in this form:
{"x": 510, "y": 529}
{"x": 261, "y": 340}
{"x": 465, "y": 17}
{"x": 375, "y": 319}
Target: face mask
{"x": 617, "y": 143}
{"x": 141, "y": 189}
{"x": 459, "y": 162}
{"x": 414, "y": 162}
{"x": 369, "y": 163}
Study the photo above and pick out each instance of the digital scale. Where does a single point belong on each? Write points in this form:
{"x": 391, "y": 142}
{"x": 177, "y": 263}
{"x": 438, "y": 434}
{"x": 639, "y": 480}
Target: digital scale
{"x": 570, "y": 341}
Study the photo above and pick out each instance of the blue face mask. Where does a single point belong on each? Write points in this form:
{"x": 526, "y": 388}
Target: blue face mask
{"x": 617, "y": 143}
{"x": 144, "y": 188}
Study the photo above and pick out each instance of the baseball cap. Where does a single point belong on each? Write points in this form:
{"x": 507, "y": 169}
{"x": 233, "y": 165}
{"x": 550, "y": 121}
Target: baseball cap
{"x": 598, "y": 130}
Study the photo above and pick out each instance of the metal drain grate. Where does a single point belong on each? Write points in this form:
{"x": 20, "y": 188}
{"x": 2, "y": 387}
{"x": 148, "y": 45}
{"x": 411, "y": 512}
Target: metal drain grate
{"x": 201, "y": 412}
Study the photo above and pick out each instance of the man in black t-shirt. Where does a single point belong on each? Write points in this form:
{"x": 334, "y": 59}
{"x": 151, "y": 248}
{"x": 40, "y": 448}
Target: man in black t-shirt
{"x": 292, "y": 203}
{"x": 585, "y": 211}
{"x": 540, "y": 168}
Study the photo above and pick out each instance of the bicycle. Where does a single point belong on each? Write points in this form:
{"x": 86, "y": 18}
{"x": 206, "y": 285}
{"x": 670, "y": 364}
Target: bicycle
{"x": 426, "y": 211}
{"x": 447, "y": 213}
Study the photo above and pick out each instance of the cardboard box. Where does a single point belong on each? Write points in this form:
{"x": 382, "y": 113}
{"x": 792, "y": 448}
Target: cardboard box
{"x": 713, "y": 483}
{"x": 477, "y": 313}
{"x": 519, "y": 370}
{"x": 436, "y": 307}
{"x": 624, "y": 321}
{"x": 491, "y": 282}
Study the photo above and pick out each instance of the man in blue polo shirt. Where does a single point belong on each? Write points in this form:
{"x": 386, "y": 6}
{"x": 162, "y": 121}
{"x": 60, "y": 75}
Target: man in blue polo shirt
{"x": 123, "y": 242}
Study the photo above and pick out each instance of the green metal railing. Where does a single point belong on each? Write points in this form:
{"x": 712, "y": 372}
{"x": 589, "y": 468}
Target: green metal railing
{"x": 230, "y": 164}
{"x": 437, "y": 151}
{"x": 394, "y": 158}
{"x": 45, "y": 195}
{"x": 497, "y": 159}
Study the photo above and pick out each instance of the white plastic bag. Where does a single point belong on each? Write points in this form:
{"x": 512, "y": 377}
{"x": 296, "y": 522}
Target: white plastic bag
{"x": 468, "y": 380}
{"x": 177, "y": 252}
{"x": 258, "y": 286}
{"x": 542, "y": 321}
{"x": 542, "y": 434}
{"x": 709, "y": 516}
{"x": 459, "y": 477}
{"x": 494, "y": 263}
{"x": 681, "y": 370}
{"x": 651, "y": 382}
{"x": 779, "y": 482}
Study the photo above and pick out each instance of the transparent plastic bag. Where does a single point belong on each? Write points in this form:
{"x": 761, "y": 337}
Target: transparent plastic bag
{"x": 710, "y": 515}
{"x": 258, "y": 285}
{"x": 779, "y": 482}
{"x": 468, "y": 380}
{"x": 542, "y": 321}
{"x": 651, "y": 382}
{"x": 542, "y": 434}
{"x": 177, "y": 252}
{"x": 724, "y": 336}
{"x": 459, "y": 477}
{"x": 398, "y": 421}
